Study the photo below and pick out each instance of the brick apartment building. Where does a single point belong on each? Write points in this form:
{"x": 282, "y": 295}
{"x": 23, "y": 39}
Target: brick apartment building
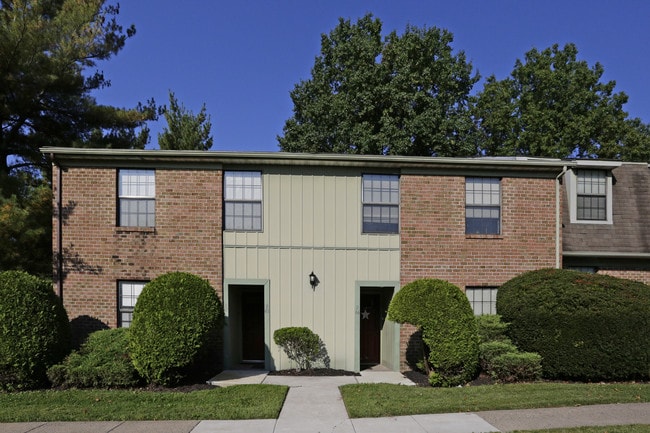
{"x": 258, "y": 225}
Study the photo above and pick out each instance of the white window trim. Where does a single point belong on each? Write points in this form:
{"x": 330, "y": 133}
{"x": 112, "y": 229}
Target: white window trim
{"x": 397, "y": 205}
{"x": 231, "y": 200}
{"x": 572, "y": 195}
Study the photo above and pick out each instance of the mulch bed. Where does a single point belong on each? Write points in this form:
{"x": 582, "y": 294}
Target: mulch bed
{"x": 313, "y": 372}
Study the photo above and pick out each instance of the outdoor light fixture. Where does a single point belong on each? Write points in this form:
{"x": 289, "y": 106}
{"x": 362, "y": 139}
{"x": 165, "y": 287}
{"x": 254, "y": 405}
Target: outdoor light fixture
{"x": 313, "y": 280}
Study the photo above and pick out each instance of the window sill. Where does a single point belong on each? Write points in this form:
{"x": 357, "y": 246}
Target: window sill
{"x": 476, "y": 236}
{"x": 135, "y": 230}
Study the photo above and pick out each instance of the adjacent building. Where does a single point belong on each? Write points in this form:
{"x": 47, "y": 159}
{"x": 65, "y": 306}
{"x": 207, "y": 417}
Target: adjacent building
{"x": 325, "y": 241}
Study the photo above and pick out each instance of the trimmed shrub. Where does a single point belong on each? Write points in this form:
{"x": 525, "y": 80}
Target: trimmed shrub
{"x": 302, "y": 346}
{"x": 34, "y": 330}
{"x": 492, "y": 349}
{"x": 444, "y": 315}
{"x": 175, "y": 330}
{"x": 516, "y": 367}
{"x": 491, "y": 328}
{"x": 585, "y": 326}
{"x": 102, "y": 361}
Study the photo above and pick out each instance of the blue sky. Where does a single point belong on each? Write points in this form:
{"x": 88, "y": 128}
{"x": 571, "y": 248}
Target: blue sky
{"x": 242, "y": 58}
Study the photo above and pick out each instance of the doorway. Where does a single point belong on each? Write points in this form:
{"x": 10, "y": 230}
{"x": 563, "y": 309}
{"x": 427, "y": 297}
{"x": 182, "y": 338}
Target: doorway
{"x": 246, "y": 323}
{"x": 371, "y": 321}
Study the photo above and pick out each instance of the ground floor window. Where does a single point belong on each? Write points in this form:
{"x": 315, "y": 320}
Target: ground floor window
{"x": 128, "y": 295}
{"x": 482, "y": 299}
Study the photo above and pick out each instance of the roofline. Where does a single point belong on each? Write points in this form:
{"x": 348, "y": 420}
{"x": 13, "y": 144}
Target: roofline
{"x": 606, "y": 254}
{"x": 98, "y": 156}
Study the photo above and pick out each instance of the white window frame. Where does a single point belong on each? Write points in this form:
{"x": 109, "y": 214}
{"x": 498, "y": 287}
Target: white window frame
{"x": 127, "y": 294}
{"x": 479, "y": 302}
{"x": 385, "y": 199}
{"x": 243, "y": 193}
{"x": 483, "y": 201}
{"x": 141, "y": 192}
{"x": 572, "y": 194}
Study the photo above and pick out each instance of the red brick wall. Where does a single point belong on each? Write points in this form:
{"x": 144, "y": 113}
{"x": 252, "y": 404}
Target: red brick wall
{"x": 434, "y": 243}
{"x": 640, "y": 275}
{"x": 97, "y": 253}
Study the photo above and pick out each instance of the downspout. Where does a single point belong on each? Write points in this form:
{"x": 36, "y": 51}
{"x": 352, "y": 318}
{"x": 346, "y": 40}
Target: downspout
{"x": 558, "y": 221}
{"x": 59, "y": 230}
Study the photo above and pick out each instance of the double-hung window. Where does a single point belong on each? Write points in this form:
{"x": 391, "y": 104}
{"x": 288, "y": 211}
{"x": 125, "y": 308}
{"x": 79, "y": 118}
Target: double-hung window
{"x": 137, "y": 198}
{"x": 243, "y": 200}
{"x": 380, "y": 198}
{"x": 483, "y": 205}
{"x": 482, "y": 299}
{"x": 591, "y": 200}
{"x": 128, "y": 295}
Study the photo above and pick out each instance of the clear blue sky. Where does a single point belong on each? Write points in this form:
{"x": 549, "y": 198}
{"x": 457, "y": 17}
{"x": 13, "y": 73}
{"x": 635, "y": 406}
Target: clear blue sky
{"x": 242, "y": 58}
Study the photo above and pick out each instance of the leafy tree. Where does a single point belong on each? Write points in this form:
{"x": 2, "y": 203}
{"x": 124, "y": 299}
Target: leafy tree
{"x": 185, "y": 130}
{"x": 46, "y": 48}
{"x": 554, "y": 105}
{"x": 407, "y": 94}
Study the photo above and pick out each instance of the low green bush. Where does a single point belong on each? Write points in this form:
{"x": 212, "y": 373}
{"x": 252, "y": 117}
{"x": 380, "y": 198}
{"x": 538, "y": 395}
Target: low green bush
{"x": 492, "y": 349}
{"x": 491, "y": 328}
{"x": 516, "y": 367}
{"x": 585, "y": 326}
{"x": 444, "y": 315}
{"x": 176, "y": 327}
{"x": 302, "y": 346}
{"x": 102, "y": 361}
{"x": 34, "y": 330}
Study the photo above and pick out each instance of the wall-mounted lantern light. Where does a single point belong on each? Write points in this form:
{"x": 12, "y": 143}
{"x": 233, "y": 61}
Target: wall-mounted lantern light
{"x": 313, "y": 280}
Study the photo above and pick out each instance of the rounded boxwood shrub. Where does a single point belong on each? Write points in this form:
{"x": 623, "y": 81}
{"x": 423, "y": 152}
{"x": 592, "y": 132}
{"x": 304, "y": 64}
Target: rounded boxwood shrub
{"x": 585, "y": 326}
{"x": 34, "y": 330}
{"x": 302, "y": 346}
{"x": 175, "y": 330}
{"x": 492, "y": 349}
{"x": 491, "y": 328}
{"x": 516, "y": 367}
{"x": 444, "y": 315}
{"x": 102, "y": 361}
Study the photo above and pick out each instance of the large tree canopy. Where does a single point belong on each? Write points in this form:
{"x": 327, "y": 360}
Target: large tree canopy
{"x": 185, "y": 130}
{"x": 46, "y": 47}
{"x": 404, "y": 95}
{"x": 554, "y": 105}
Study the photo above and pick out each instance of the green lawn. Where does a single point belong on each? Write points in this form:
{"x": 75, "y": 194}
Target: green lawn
{"x": 235, "y": 402}
{"x": 377, "y": 400}
{"x": 608, "y": 429}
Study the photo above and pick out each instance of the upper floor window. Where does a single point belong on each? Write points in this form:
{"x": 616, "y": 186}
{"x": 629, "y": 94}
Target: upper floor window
{"x": 128, "y": 295}
{"x": 591, "y": 200}
{"x": 589, "y": 195}
{"x": 380, "y": 199}
{"x": 243, "y": 200}
{"x": 483, "y": 205}
{"x": 137, "y": 198}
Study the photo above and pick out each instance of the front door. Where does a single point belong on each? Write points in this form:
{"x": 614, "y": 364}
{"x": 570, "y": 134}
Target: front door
{"x": 252, "y": 323}
{"x": 370, "y": 329}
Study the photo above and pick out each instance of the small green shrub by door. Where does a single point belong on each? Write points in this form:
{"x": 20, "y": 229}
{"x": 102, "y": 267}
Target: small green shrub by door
{"x": 444, "y": 315}
{"x": 302, "y": 346}
{"x": 585, "y": 326}
{"x": 34, "y": 330}
{"x": 175, "y": 330}
{"x": 102, "y": 361}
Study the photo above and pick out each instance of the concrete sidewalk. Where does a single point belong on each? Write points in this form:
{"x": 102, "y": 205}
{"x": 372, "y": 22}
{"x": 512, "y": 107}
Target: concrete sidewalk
{"x": 314, "y": 404}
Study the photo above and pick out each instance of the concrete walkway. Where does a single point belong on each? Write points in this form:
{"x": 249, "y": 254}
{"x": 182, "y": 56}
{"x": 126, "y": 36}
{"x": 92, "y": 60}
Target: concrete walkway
{"x": 314, "y": 404}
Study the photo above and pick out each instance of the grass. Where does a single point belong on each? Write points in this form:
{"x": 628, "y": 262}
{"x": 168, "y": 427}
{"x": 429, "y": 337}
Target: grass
{"x": 377, "y": 400}
{"x": 234, "y": 402}
{"x": 608, "y": 429}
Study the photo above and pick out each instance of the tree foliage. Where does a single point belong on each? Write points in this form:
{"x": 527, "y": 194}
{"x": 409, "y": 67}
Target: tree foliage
{"x": 554, "y": 105}
{"x": 404, "y": 95}
{"x": 46, "y": 49}
{"x": 184, "y": 131}
{"x": 26, "y": 226}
